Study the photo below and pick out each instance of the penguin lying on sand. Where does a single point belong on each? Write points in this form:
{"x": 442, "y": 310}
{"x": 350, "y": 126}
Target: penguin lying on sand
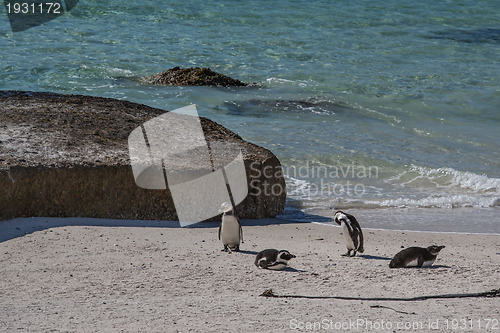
{"x": 273, "y": 259}
{"x": 230, "y": 232}
{"x": 352, "y": 233}
{"x": 416, "y": 257}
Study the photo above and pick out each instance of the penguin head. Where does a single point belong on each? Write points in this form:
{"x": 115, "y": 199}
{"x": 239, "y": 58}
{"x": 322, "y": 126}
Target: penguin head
{"x": 340, "y": 217}
{"x": 434, "y": 249}
{"x": 284, "y": 255}
{"x": 226, "y": 208}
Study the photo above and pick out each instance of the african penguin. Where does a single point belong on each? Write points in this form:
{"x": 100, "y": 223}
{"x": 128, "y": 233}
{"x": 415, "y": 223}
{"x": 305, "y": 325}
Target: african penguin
{"x": 230, "y": 232}
{"x": 352, "y": 233}
{"x": 416, "y": 257}
{"x": 273, "y": 259}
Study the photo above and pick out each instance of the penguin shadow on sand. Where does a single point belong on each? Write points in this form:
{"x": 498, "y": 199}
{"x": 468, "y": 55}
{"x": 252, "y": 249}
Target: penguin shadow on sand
{"x": 253, "y": 253}
{"x": 370, "y": 257}
{"x": 294, "y": 270}
{"x": 286, "y": 269}
{"x": 435, "y": 267}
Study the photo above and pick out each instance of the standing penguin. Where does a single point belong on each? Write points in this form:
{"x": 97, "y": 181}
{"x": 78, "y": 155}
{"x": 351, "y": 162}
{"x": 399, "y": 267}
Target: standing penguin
{"x": 273, "y": 259}
{"x": 416, "y": 257}
{"x": 352, "y": 233}
{"x": 230, "y": 232}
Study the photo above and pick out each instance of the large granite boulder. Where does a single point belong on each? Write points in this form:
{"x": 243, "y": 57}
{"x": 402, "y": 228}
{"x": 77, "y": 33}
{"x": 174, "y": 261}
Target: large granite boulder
{"x": 193, "y": 76}
{"x": 67, "y": 155}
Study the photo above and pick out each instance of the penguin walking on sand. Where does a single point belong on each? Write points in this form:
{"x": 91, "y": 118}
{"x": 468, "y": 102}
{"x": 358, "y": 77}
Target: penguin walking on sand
{"x": 352, "y": 233}
{"x": 416, "y": 257}
{"x": 230, "y": 231}
{"x": 273, "y": 259}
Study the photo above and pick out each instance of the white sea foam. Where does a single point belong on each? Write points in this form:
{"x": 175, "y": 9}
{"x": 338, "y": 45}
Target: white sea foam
{"x": 277, "y": 80}
{"x": 447, "y": 178}
{"x": 415, "y": 187}
{"x": 298, "y": 188}
{"x": 452, "y": 201}
{"x": 119, "y": 71}
{"x": 423, "y": 187}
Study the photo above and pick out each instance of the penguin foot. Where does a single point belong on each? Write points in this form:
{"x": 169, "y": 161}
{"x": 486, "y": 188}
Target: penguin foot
{"x": 350, "y": 253}
{"x": 225, "y": 249}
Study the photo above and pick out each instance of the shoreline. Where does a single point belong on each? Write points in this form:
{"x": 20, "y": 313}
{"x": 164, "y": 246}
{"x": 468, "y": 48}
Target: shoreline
{"x": 389, "y": 219}
{"x": 457, "y": 220}
{"x": 130, "y": 279}
{"x": 416, "y": 231}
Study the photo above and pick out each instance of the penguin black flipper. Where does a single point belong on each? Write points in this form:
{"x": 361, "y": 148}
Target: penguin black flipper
{"x": 355, "y": 238}
{"x": 360, "y": 246}
{"x": 357, "y": 233}
{"x": 420, "y": 261}
{"x": 241, "y": 230}
{"x": 261, "y": 263}
{"x": 220, "y": 227}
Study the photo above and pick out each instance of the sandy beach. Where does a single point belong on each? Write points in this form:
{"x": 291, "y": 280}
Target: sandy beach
{"x": 163, "y": 279}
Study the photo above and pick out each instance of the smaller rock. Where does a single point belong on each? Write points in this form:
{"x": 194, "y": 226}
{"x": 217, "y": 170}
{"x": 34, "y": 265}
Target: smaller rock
{"x": 194, "y": 76}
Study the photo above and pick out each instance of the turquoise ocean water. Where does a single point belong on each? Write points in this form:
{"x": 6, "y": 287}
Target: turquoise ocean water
{"x": 379, "y": 107}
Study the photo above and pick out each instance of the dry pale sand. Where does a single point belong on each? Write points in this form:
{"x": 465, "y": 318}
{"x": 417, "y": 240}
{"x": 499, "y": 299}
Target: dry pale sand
{"x": 131, "y": 279}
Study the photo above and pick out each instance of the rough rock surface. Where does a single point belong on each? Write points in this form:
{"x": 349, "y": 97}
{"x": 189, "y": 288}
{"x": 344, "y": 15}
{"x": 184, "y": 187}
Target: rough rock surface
{"x": 67, "y": 155}
{"x": 193, "y": 76}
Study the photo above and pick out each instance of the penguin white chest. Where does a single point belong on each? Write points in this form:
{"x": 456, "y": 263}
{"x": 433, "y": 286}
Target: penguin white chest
{"x": 412, "y": 263}
{"x": 348, "y": 240}
{"x": 278, "y": 266}
{"x": 428, "y": 263}
{"x": 230, "y": 231}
